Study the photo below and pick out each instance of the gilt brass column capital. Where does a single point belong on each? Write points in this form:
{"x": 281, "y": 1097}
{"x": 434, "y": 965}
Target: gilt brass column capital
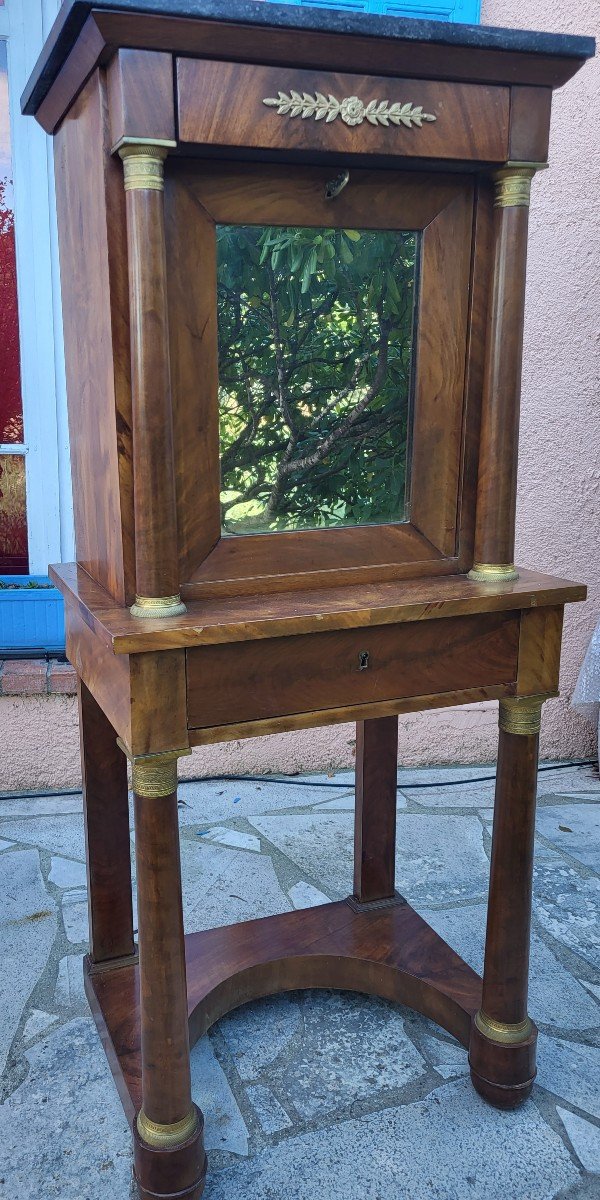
{"x": 143, "y": 164}
{"x": 154, "y": 775}
{"x": 513, "y": 184}
{"x": 521, "y": 714}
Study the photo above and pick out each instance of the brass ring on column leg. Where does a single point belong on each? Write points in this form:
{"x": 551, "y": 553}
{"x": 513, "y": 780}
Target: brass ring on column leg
{"x": 163, "y": 1137}
{"x": 154, "y": 775}
{"x": 502, "y": 1032}
{"x": 521, "y": 714}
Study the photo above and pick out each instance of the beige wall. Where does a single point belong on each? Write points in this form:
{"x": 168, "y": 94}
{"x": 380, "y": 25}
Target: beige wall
{"x": 559, "y": 493}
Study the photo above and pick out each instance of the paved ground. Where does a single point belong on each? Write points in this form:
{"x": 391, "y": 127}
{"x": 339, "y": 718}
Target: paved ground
{"x": 318, "y": 1094}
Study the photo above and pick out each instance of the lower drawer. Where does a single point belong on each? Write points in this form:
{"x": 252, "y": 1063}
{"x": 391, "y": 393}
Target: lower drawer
{"x": 250, "y": 681}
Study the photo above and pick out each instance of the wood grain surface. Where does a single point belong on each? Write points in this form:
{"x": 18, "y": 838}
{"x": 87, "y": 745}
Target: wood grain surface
{"x": 156, "y": 552}
{"x": 280, "y": 676}
{"x": 108, "y": 849}
{"x": 498, "y": 459}
{"x": 105, "y": 31}
{"x": 438, "y": 536}
{"x": 222, "y": 104}
{"x": 93, "y": 259}
{"x": 375, "y": 809}
{"x": 392, "y": 953}
{"x": 244, "y": 618}
{"x": 140, "y": 96}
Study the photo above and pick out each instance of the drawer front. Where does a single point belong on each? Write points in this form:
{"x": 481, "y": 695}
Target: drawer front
{"x": 250, "y": 681}
{"x": 278, "y": 108}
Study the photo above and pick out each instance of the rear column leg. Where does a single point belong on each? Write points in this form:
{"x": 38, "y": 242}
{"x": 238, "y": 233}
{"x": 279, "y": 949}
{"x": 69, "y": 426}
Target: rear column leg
{"x": 106, "y": 815}
{"x": 503, "y": 1038}
{"x": 375, "y": 814}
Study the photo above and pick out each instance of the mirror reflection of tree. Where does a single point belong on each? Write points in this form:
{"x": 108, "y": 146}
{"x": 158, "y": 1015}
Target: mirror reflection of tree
{"x": 315, "y": 339}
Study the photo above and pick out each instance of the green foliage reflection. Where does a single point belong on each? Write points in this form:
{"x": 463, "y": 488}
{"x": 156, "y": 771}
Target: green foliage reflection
{"x": 315, "y": 341}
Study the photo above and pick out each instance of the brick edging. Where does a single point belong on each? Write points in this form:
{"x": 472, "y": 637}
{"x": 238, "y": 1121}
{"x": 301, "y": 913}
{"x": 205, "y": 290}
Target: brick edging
{"x": 36, "y": 677}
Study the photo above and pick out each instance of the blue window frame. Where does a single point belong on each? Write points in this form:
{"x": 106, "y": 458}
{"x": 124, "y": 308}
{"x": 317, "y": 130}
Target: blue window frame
{"x": 463, "y": 11}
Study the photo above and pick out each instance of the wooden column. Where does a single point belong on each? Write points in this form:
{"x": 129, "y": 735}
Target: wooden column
{"x": 503, "y": 1047}
{"x": 106, "y": 815}
{"x": 497, "y": 484}
{"x": 375, "y": 811}
{"x": 156, "y": 548}
{"x": 168, "y": 1120}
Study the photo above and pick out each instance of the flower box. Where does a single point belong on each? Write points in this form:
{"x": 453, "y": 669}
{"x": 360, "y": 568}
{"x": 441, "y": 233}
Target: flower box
{"x": 31, "y": 615}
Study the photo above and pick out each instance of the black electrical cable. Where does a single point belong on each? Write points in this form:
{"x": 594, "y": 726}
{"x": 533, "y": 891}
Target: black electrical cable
{"x": 306, "y": 781}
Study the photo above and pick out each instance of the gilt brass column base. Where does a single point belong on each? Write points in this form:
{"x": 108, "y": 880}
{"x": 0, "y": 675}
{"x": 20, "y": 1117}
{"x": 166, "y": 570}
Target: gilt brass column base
{"x": 169, "y": 1160}
{"x": 501, "y": 1032}
{"x": 164, "y": 1137}
{"x": 153, "y": 608}
{"x": 493, "y": 572}
{"x": 502, "y": 1059}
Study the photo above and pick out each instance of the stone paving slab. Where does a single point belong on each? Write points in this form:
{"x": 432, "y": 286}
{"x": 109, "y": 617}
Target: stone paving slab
{"x": 439, "y": 858}
{"x": 40, "y": 806}
{"x": 75, "y": 916}
{"x": 584, "y": 1138}
{"x": 567, "y": 907}
{"x": 556, "y": 999}
{"x": 223, "y": 800}
{"x": 325, "y": 1094}
{"x": 224, "y": 1127}
{"x": 571, "y": 1071}
{"x": 27, "y": 931}
{"x": 447, "y": 1146}
{"x": 63, "y": 1133}
{"x": 67, "y": 873}
{"x": 574, "y": 829}
{"x": 342, "y": 1055}
{"x": 62, "y": 835}
{"x": 221, "y": 886}
{"x": 69, "y": 992}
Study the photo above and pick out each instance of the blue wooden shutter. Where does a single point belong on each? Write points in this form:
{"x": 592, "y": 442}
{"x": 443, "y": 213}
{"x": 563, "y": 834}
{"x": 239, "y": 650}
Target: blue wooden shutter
{"x": 465, "y": 11}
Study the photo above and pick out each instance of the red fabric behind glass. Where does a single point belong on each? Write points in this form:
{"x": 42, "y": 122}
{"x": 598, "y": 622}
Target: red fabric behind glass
{"x": 13, "y": 517}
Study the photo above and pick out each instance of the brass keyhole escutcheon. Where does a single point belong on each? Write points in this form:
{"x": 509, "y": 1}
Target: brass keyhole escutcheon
{"x": 363, "y": 660}
{"x": 337, "y": 185}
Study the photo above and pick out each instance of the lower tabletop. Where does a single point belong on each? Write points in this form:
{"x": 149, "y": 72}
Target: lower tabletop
{"x": 389, "y": 952}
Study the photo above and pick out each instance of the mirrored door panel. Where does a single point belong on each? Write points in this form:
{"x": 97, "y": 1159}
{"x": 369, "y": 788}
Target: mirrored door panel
{"x": 324, "y": 426}
{"x": 316, "y": 334}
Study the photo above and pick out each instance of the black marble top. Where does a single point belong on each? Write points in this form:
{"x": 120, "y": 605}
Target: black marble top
{"x": 73, "y": 14}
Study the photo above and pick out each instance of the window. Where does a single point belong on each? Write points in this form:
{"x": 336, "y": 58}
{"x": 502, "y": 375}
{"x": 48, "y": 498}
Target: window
{"x": 35, "y": 500}
{"x": 35, "y": 487}
{"x": 13, "y": 519}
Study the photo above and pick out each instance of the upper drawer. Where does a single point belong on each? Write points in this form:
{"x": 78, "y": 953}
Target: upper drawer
{"x": 251, "y": 681}
{"x": 278, "y": 108}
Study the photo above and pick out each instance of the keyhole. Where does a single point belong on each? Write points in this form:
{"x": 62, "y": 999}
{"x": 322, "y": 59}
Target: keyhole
{"x": 337, "y": 185}
{"x": 363, "y": 660}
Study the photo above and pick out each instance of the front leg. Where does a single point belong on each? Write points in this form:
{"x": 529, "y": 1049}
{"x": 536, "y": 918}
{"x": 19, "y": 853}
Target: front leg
{"x": 503, "y": 1038}
{"x": 168, "y": 1146}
